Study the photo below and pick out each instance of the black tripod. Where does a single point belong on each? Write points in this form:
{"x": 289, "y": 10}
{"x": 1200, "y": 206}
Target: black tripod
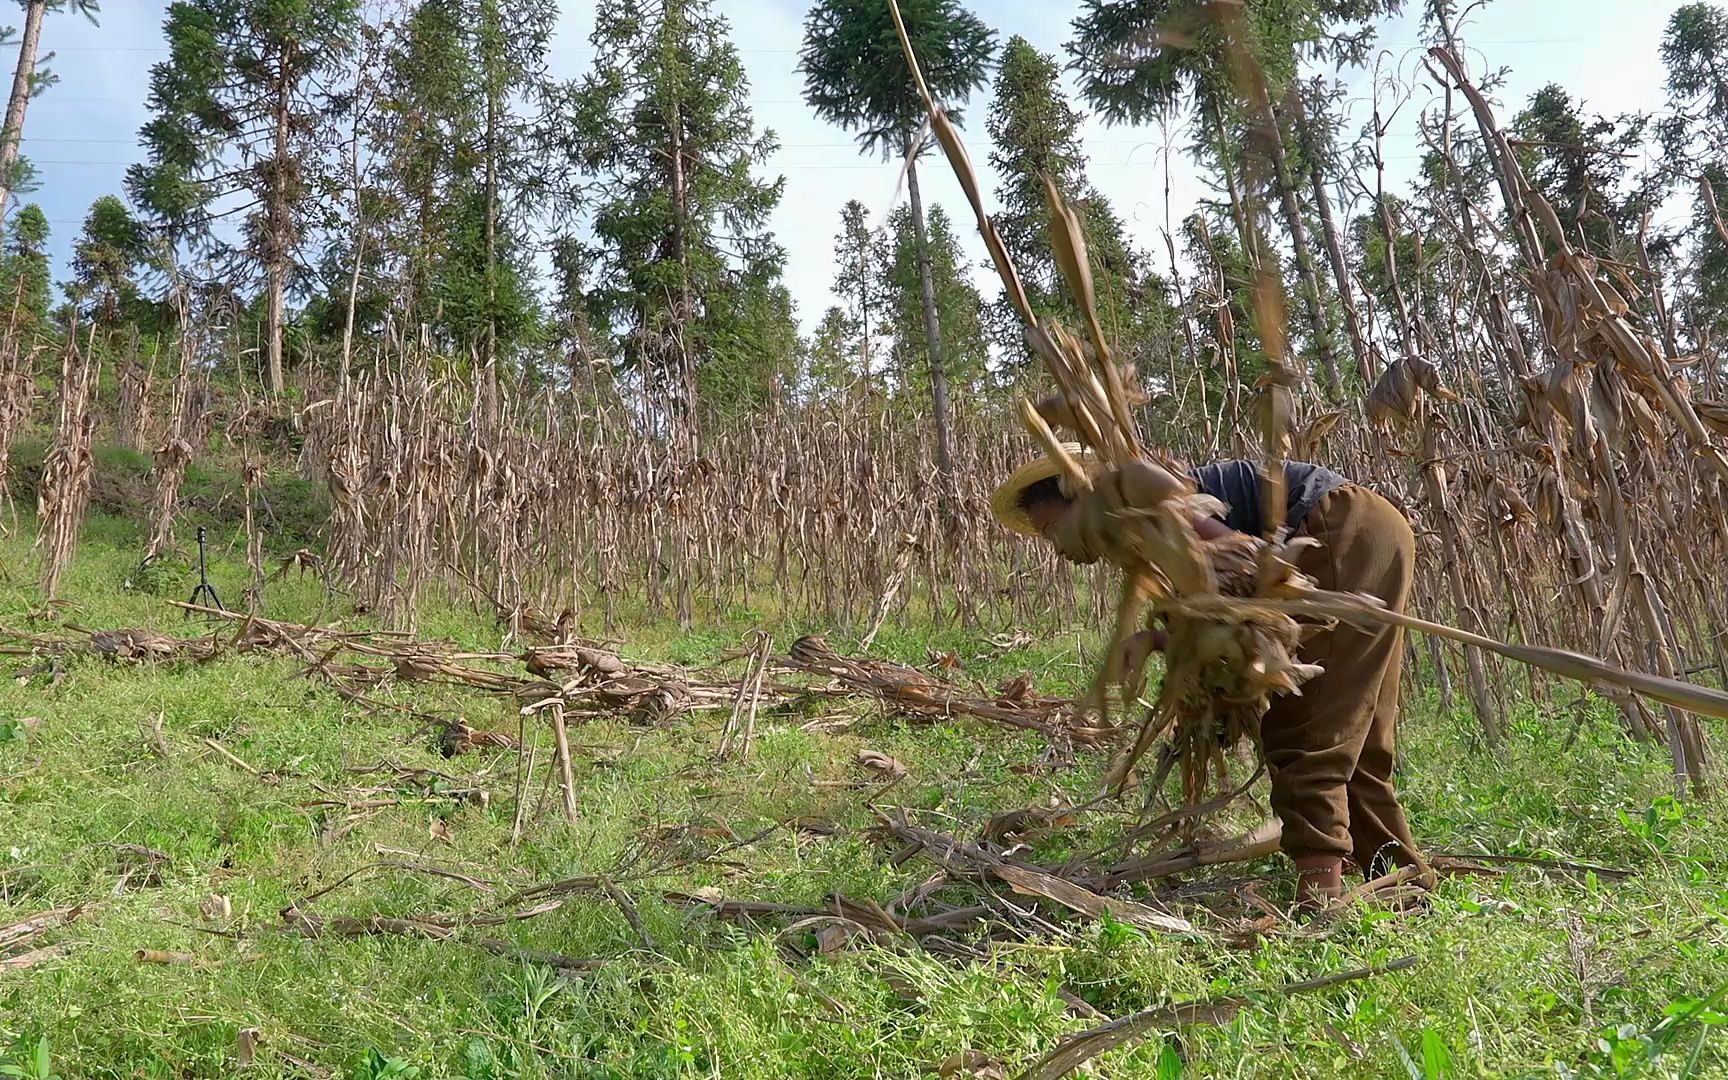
{"x": 205, "y": 590}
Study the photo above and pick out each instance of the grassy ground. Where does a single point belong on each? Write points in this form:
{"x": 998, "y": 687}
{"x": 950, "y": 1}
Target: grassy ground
{"x": 1535, "y": 973}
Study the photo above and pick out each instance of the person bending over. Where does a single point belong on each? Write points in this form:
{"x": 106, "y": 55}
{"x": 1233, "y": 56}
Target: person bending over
{"x": 1329, "y": 750}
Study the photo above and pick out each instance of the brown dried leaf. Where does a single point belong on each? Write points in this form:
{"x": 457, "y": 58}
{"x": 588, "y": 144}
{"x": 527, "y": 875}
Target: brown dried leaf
{"x": 1076, "y": 898}
{"x": 1306, "y": 444}
{"x": 1393, "y": 396}
{"x": 1714, "y": 414}
{"x": 877, "y": 761}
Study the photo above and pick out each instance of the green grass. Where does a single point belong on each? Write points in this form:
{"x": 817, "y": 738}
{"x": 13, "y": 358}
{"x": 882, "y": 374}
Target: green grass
{"x": 1530, "y": 974}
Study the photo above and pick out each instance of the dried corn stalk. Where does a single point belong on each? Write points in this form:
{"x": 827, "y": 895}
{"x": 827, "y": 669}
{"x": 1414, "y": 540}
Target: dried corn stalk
{"x": 65, "y": 490}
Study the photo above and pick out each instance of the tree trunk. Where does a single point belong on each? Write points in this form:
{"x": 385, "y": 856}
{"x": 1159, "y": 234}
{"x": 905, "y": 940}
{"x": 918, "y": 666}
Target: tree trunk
{"x": 864, "y": 329}
{"x": 1334, "y": 247}
{"x": 932, "y": 328}
{"x": 686, "y": 373}
{"x": 1238, "y": 216}
{"x": 1304, "y": 259}
{"x": 276, "y": 243}
{"x": 359, "y": 254}
{"x": 489, "y": 341}
{"x": 20, "y": 99}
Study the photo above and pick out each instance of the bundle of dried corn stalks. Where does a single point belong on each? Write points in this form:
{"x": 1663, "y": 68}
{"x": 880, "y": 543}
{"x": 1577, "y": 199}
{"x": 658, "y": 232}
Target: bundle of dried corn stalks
{"x": 912, "y": 691}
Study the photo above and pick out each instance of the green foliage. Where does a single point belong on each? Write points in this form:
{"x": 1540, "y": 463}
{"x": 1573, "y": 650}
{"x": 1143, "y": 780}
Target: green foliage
{"x": 1035, "y": 134}
{"x": 1695, "y": 51}
{"x": 105, "y": 263}
{"x": 858, "y": 284}
{"x": 959, "y": 307}
{"x": 24, "y": 282}
{"x": 1582, "y": 166}
{"x": 376, "y": 1066}
{"x": 167, "y": 577}
{"x": 856, "y": 75}
{"x": 686, "y": 274}
{"x": 474, "y": 295}
{"x": 426, "y": 131}
{"x": 754, "y": 350}
{"x": 1130, "y": 76}
{"x": 832, "y": 360}
{"x": 238, "y": 68}
{"x": 32, "y": 1063}
{"x": 243, "y": 104}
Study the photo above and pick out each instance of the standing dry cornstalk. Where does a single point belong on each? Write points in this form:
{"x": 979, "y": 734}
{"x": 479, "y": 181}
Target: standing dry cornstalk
{"x": 66, "y": 472}
{"x": 168, "y": 461}
{"x": 252, "y": 480}
{"x": 1600, "y": 353}
{"x": 132, "y": 403}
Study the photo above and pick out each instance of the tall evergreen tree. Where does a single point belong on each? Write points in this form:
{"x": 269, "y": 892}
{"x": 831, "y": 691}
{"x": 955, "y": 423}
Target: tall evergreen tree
{"x": 856, "y": 76}
{"x": 959, "y": 307}
{"x": 1035, "y": 134}
{"x": 687, "y": 274}
{"x": 1582, "y": 166}
{"x": 423, "y": 142}
{"x": 1132, "y": 70}
{"x": 858, "y": 282}
{"x": 242, "y": 106}
{"x": 29, "y": 78}
{"x": 24, "y": 284}
{"x": 514, "y": 38}
{"x": 105, "y": 262}
{"x": 457, "y": 146}
{"x": 1695, "y": 139}
{"x": 831, "y": 361}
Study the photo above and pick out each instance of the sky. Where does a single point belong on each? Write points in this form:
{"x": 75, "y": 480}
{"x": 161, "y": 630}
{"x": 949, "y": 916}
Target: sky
{"x": 82, "y": 133}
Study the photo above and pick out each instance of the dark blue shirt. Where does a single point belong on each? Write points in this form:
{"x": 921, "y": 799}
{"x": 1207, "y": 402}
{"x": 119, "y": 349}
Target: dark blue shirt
{"x": 1236, "y": 484}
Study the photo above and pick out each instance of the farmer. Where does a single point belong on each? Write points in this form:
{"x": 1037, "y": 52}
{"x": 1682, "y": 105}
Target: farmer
{"x": 1330, "y": 749}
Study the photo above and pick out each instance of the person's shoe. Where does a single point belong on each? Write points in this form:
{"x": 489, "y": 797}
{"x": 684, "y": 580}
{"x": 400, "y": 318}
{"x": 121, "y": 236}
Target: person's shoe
{"x": 1319, "y": 880}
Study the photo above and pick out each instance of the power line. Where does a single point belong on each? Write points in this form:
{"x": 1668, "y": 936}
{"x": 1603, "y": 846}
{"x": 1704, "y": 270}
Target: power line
{"x": 862, "y": 166}
{"x": 590, "y": 50}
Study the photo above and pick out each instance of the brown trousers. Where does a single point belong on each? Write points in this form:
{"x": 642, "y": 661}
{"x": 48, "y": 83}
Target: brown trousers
{"x": 1330, "y": 749}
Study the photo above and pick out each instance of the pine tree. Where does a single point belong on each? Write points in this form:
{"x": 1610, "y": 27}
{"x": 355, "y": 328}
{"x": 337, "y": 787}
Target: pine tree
{"x": 687, "y": 274}
{"x": 24, "y": 285}
{"x": 1695, "y": 139}
{"x": 1582, "y": 165}
{"x": 514, "y": 38}
{"x": 858, "y": 281}
{"x": 1035, "y": 134}
{"x": 105, "y": 263}
{"x": 458, "y": 144}
{"x": 831, "y": 362}
{"x": 1129, "y": 74}
{"x": 959, "y": 307}
{"x": 856, "y": 76}
{"x": 29, "y": 79}
{"x": 424, "y": 138}
{"x": 242, "y": 105}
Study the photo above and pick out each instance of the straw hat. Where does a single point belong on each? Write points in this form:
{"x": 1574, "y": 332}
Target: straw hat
{"x": 1005, "y": 503}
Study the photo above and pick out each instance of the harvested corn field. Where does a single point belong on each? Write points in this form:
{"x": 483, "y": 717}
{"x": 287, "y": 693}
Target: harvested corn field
{"x": 480, "y": 620}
